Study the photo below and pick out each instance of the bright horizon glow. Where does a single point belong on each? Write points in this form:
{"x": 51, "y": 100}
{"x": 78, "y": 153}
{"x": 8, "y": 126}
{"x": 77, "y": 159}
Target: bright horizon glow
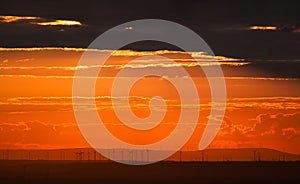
{"x": 36, "y": 100}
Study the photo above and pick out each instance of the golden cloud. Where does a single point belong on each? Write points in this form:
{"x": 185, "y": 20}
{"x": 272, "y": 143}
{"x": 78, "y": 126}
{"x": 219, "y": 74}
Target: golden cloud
{"x": 8, "y": 19}
{"x": 39, "y": 21}
{"x": 59, "y": 23}
{"x": 263, "y": 28}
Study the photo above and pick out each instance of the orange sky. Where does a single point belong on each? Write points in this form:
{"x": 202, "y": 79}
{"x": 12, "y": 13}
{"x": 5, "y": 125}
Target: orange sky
{"x": 36, "y": 102}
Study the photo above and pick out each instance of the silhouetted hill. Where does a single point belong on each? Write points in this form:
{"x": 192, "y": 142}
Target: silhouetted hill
{"x": 241, "y": 154}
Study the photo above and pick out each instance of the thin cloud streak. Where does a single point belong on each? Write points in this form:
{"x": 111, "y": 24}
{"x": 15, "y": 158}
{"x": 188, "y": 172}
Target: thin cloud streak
{"x": 111, "y": 77}
{"x": 12, "y": 18}
{"x": 38, "y": 21}
{"x": 59, "y": 23}
{"x": 263, "y": 28}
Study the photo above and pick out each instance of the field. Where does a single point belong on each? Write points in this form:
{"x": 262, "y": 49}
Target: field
{"x": 40, "y": 171}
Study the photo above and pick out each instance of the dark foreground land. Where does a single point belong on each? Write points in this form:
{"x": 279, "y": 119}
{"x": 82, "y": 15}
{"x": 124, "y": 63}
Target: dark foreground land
{"x": 163, "y": 172}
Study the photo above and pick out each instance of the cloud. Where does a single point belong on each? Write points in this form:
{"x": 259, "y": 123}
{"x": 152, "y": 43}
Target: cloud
{"x": 294, "y": 28}
{"x": 64, "y": 103}
{"x": 12, "y": 18}
{"x": 174, "y": 55}
{"x": 268, "y": 103}
{"x": 59, "y": 23}
{"x": 291, "y": 27}
{"x": 45, "y": 49}
{"x": 37, "y": 134}
{"x": 24, "y": 60}
{"x": 262, "y": 78}
{"x": 38, "y": 21}
{"x": 263, "y": 28}
{"x": 68, "y": 57}
{"x": 38, "y": 76}
{"x": 234, "y": 131}
{"x": 290, "y": 133}
{"x": 118, "y": 60}
{"x": 277, "y": 131}
{"x": 279, "y": 125}
{"x": 56, "y": 103}
{"x": 4, "y": 62}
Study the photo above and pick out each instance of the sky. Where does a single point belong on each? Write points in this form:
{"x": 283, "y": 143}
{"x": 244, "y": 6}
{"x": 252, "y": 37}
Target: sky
{"x": 256, "y": 43}
{"x": 224, "y": 25}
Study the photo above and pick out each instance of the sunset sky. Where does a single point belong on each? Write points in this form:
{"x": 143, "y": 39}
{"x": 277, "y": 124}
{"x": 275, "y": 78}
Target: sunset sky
{"x": 256, "y": 44}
